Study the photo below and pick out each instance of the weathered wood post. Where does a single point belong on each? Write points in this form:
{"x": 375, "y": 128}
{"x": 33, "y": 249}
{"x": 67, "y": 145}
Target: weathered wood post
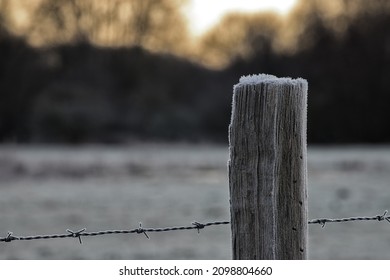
{"x": 268, "y": 168}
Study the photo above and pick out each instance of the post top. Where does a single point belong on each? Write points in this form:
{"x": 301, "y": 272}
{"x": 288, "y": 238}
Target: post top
{"x": 269, "y": 79}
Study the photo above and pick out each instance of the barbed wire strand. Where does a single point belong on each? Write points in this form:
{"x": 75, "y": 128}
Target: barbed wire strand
{"x": 322, "y": 222}
{"x": 195, "y": 225}
{"x": 83, "y": 233}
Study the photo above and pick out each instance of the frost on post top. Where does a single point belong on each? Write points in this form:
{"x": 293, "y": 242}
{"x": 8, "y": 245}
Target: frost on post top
{"x": 270, "y": 79}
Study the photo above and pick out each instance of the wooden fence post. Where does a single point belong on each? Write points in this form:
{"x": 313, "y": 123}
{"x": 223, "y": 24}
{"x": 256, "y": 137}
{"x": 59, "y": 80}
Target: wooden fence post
{"x": 268, "y": 168}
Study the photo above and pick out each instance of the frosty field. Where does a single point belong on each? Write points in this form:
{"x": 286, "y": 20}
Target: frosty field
{"x": 46, "y": 190}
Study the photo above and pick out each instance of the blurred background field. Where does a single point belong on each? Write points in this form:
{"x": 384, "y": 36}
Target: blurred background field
{"x": 46, "y": 190}
{"x": 116, "y": 112}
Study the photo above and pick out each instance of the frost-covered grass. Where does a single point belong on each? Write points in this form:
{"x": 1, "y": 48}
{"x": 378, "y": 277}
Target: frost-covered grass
{"x": 47, "y": 190}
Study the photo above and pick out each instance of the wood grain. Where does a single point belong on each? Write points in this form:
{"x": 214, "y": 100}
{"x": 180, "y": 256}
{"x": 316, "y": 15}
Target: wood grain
{"x": 268, "y": 170}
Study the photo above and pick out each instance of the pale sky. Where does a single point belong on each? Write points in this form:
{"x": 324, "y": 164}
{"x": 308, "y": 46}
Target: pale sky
{"x": 203, "y": 14}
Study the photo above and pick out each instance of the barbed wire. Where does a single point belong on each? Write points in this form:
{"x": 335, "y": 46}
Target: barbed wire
{"x": 83, "y": 233}
{"x": 322, "y": 222}
{"x": 195, "y": 225}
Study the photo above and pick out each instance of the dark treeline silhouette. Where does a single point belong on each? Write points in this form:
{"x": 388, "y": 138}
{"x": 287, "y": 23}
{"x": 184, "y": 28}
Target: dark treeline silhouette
{"x": 76, "y": 93}
{"x": 81, "y": 93}
{"x": 348, "y": 79}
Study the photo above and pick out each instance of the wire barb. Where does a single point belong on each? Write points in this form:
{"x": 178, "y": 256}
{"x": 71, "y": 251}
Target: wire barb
{"x": 9, "y": 237}
{"x": 198, "y": 226}
{"x": 322, "y": 223}
{"x": 141, "y": 230}
{"x": 76, "y": 234}
{"x": 383, "y": 217}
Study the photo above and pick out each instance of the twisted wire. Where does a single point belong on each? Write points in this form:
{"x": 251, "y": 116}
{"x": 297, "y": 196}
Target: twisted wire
{"x": 83, "y": 233}
{"x": 322, "y": 222}
{"x": 195, "y": 225}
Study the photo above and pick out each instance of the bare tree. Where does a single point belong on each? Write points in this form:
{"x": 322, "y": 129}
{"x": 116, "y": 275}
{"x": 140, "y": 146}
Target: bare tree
{"x": 58, "y": 21}
{"x": 154, "y": 24}
{"x": 158, "y": 22}
{"x": 335, "y": 16}
{"x": 239, "y": 36}
{"x": 4, "y": 10}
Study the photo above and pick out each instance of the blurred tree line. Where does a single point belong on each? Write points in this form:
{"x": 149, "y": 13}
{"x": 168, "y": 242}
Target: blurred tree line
{"x": 80, "y": 71}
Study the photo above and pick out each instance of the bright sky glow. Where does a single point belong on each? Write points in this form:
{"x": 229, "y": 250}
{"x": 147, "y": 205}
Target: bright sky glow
{"x": 203, "y": 14}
